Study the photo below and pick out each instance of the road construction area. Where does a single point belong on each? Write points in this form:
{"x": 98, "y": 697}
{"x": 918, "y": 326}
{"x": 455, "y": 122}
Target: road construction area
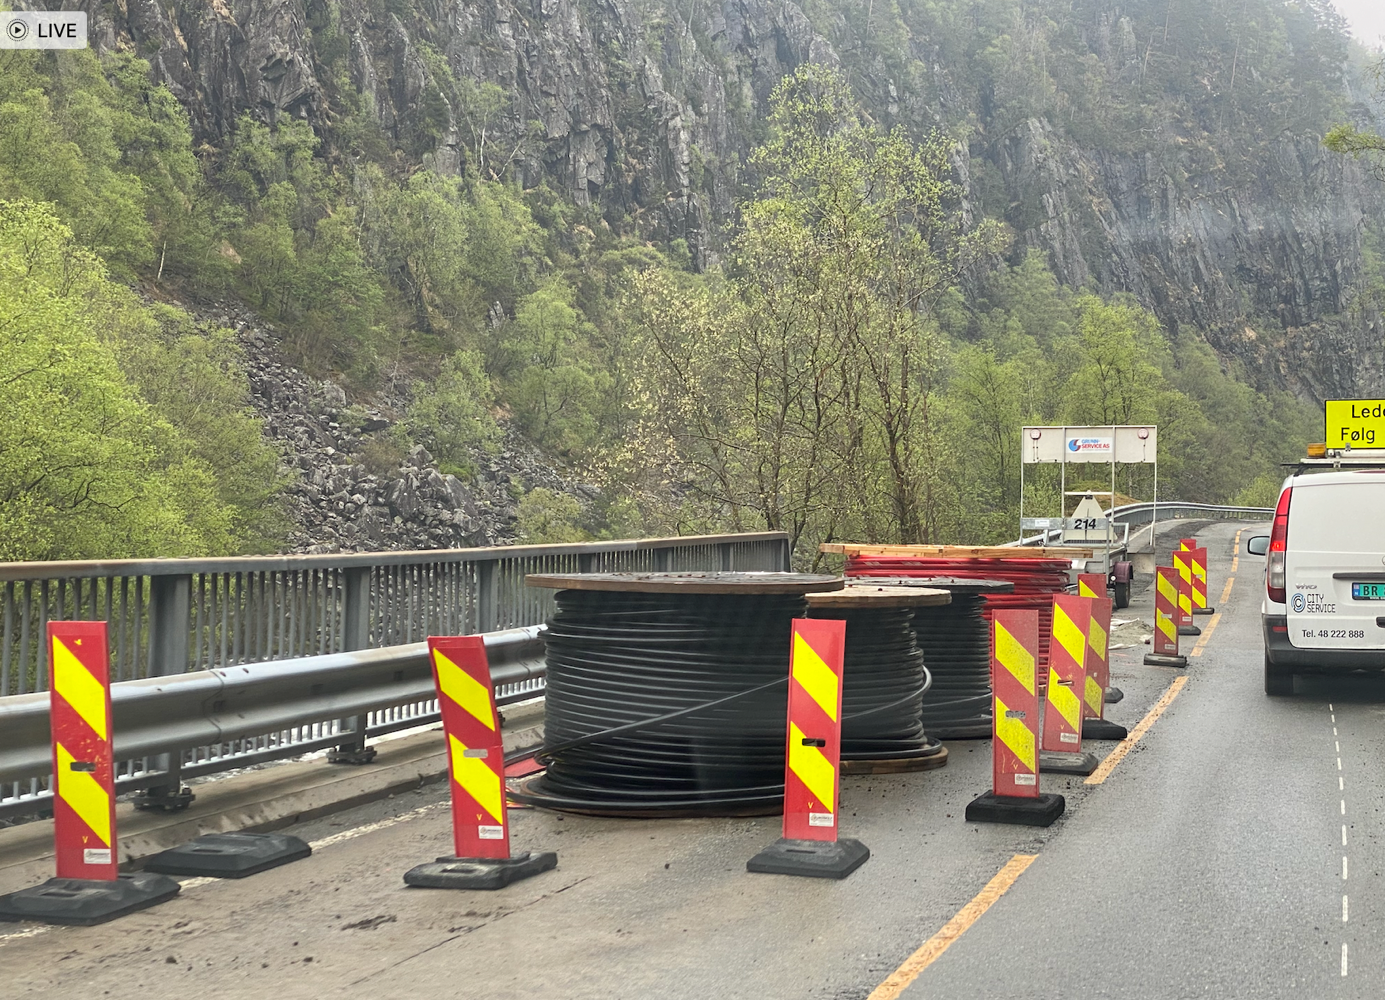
{"x": 1231, "y": 847}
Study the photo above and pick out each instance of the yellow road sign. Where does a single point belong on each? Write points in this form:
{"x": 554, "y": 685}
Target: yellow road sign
{"x": 1355, "y": 423}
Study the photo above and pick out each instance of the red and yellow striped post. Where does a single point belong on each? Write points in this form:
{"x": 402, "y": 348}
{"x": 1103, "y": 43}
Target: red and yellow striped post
{"x": 812, "y": 763}
{"x": 811, "y": 768}
{"x": 1015, "y": 795}
{"x": 1164, "y": 649}
{"x": 475, "y": 753}
{"x": 1014, "y": 683}
{"x": 476, "y": 776}
{"x": 1198, "y": 558}
{"x": 1093, "y": 586}
{"x": 83, "y": 767}
{"x": 1183, "y": 563}
{"x": 1067, "y": 673}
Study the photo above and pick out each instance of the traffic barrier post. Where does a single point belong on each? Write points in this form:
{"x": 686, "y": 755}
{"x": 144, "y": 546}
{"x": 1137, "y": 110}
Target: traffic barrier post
{"x": 1164, "y": 643}
{"x": 810, "y": 845}
{"x": 1014, "y": 796}
{"x": 476, "y": 776}
{"x": 1183, "y": 563}
{"x": 1095, "y": 725}
{"x": 1198, "y": 558}
{"x": 89, "y": 888}
{"x": 1067, "y": 684}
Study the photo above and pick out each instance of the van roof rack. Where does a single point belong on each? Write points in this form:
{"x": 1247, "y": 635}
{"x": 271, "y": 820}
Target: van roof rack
{"x": 1355, "y": 459}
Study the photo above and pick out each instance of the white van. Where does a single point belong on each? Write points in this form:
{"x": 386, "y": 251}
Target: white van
{"x": 1324, "y": 606}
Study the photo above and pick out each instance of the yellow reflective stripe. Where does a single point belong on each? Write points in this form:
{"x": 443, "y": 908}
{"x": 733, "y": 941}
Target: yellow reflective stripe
{"x": 815, "y": 676}
{"x": 1069, "y": 636}
{"x": 1096, "y": 638}
{"x": 1185, "y": 603}
{"x": 1094, "y": 695}
{"x": 1085, "y": 591}
{"x": 1182, "y": 565}
{"x": 1166, "y": 589}
{"x": 1199, "y": 571}
{"x": 465, "y": 690}
{"x": 1166, "y": 625}
{"x": 813, "y": 769}
{"x": 1063, "y": 698}
{"x": 84, "y": 794}
{"x": 476, "y": 776}
{"x": 1012, "y": 655}
{"x": 1014, "y": 734}
{"x": 76, "y": 686}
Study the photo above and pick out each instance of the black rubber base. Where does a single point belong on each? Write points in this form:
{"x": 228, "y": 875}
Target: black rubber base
{"x": 1204, "y": 611}
{"x": 993, "y": 808}
{"x": 811, "y": 858}
{"x": 479, "y": 873}
{"x": 86, "y": 901}
{"x": 1160, "y": 660}
{"x": 229, "y": 855}
{"x": 1189, "y": 630}
{"x": 1067, "y": 763}
{"x": 1114, "y": 695}
{"x": 1103, "y": 729}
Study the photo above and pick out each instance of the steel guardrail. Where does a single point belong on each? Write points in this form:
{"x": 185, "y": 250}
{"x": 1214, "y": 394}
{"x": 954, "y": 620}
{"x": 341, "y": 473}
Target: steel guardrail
{"x": 224, "y": 621}
{"x": 208, "y": 707}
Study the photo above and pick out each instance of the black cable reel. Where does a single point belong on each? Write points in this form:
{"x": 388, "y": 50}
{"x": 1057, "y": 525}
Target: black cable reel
{"x": 670, "y": 699}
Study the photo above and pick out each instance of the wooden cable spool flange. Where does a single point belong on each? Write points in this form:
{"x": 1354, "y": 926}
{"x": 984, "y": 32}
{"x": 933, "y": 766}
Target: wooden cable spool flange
{"x": 951, "y": 584}
{"x": 868, "y": 596}
{"x": 959, "y": 551}
{"x": 689, "y": 583}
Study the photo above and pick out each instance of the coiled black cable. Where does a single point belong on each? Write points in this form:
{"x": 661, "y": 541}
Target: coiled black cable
{"x": 957, "y": 648}
{"x": 675, "y": 704}
{"x": 884, "y": 686}
{"x": 717, "y": 663}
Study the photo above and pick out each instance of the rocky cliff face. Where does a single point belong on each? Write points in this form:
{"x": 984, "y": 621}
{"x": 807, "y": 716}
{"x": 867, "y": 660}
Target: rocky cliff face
{"x": 647, "y": 114}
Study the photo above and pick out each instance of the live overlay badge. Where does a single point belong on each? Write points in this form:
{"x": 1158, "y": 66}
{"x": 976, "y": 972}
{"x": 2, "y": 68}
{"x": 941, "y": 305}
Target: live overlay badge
{"x": 43, "y": 29}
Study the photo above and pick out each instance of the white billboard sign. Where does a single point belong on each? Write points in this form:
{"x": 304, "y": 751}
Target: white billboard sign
{"x": 1136, "y": 445}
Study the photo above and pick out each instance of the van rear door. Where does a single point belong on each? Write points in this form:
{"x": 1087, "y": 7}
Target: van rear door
{"x": 1335, "y": 562}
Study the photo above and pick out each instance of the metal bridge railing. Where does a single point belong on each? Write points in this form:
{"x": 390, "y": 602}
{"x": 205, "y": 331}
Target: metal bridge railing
{"x": 173, "y": 616}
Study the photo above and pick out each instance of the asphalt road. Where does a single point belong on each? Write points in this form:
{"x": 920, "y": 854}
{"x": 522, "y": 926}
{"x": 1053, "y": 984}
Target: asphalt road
{"x": 1208, "y": 864}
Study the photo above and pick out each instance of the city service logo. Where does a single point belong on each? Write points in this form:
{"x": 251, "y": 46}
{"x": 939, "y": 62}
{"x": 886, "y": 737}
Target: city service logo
{"x": 1300, "y": 602}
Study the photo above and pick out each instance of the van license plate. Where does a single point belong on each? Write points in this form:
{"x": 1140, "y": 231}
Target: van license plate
{"x": 1368, "y": 591}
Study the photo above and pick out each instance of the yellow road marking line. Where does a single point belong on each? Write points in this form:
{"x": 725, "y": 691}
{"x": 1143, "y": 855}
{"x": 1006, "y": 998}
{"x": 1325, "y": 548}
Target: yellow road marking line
{"x": 1226, "y": 591}
{"x": 928, "y": 953}
{"x": 1113, "y": 758}
{"x": 1197, "y": 650}
{"x": 1236, "y": 551}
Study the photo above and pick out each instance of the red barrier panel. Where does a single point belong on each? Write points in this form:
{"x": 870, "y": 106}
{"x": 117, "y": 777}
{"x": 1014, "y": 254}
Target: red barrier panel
{"x": 812, "y": 765}
{"x": 1014, "y": 680}
{"x": 476, "y": 755}
{"x": 1183, "y": 564}
{"x": 1165, "y": 641}
{"x": 1067, "y": 673}
{"x": 1093, "y": 585}
{"x": 83, "y": 770}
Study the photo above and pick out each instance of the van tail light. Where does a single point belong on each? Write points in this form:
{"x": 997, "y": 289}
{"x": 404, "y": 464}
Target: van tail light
{"x": 1279, "y": 541}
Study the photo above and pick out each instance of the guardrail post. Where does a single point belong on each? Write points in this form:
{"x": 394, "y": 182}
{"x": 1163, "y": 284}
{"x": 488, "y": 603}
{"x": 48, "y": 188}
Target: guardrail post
{"x": 355, "y": 634}
{"x": 170, "y": 633}
{"x": 487, "y": 597}
{"x": 727, "y": 561}
{"x": 661, "y": 560}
